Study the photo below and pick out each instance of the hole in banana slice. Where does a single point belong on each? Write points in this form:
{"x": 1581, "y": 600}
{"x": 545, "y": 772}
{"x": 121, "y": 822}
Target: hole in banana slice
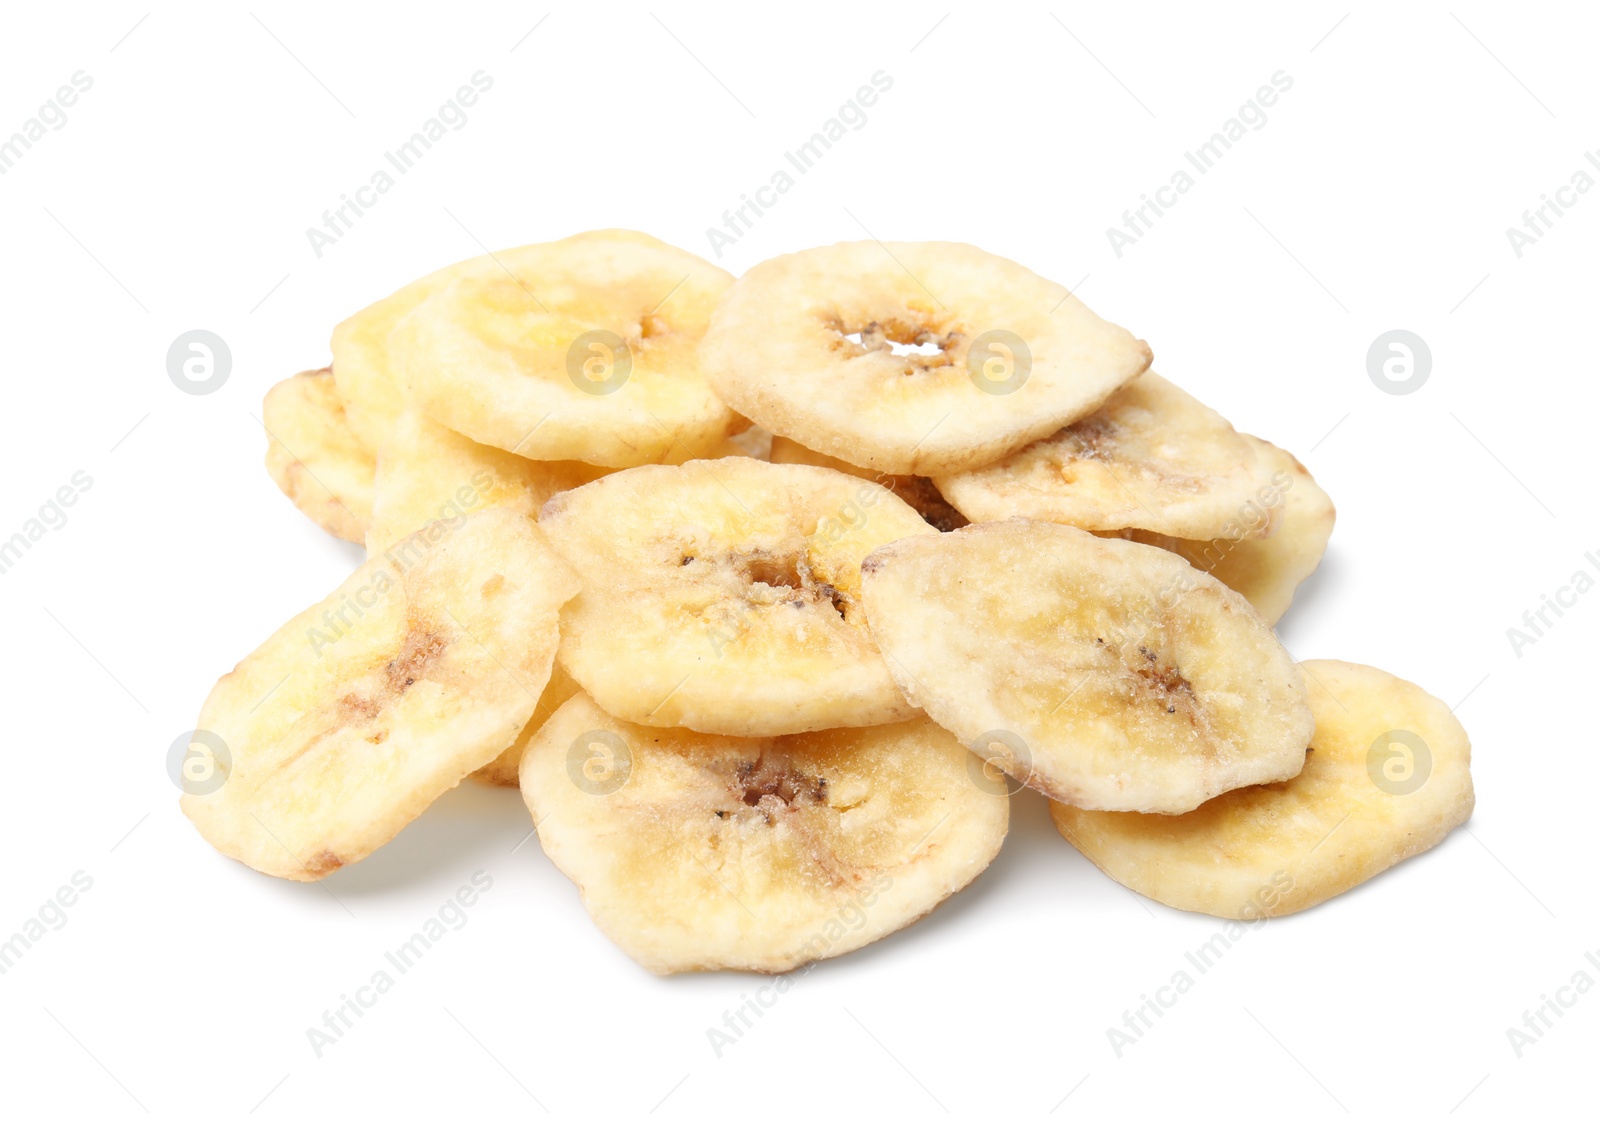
{"x": 921, "y": 345}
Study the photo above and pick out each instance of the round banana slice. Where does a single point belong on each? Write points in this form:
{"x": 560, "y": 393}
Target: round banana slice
{"x": 1386, "y": 777}
{"x": 918, "y": 492}
{"x": 697, "y": 852}
{"x": 585, "y": 349}
{"x": 367, "y": 367}
{"x": 427, "y": 472}
{"x": 314, "y": 456}
{"x": 1265, "y": 569}
{"x": 1101, "y": 672}
{"x": 359, "y": 712}
{"x": 912, "y": 358}
{"x": 503, "y": 771}
{"x": 1153, "y": 457}
{"x": 723, "y": 595}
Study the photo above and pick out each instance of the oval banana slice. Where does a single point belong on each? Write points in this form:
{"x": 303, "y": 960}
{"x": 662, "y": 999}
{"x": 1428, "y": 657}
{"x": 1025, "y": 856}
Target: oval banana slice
{"x": 1266, "y": 569}
{"x": 360, "y": 711}
{"x": 913, "y": 358}
{"x": 585, "y": 349}
{"x": 367, "y": 368}
{"x": 1099, "y": 671}
{"x": 1387, "y": 777}
{"x": 918, "y": 492}
{"x": 697, "y": 852}
{"x": 723, "y": 595}
{"x": 427, "y": 472}
{"x": 1153, "y": 457}
{"x": 314, "y": 456}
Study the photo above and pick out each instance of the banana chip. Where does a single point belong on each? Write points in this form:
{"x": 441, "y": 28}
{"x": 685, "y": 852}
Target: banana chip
{"x": 1387, "y": 777}
{"x": 585, "y": 349}
{"x": 314, "y": 456}
{"x": 1152, "y": 458}
{"x": 912, "y": 358}
{"x": 918, "y": 492}
{"x": 697, "y": 852}
{"x": 367, "y": 367}
{"x": 723, "y": 595}
{"x": 359, "y": 712}
{"x": 1266, "y": 569}
{"x": 1098, "y": 671}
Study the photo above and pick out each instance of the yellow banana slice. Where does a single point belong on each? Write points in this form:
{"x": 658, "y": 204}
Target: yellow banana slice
{"x": 1153, "y": 457}
{"x": 1099, "y": 671}
{"x": 365, "y": 365}
{"x": 360, "y": 711}
{"x": 314, "y": 456}
{"x": 427, "y": 472}
{"x": 1387, "y": 777}
{"x": 722, "y": 595}
{"x": 912, "y": 358}
{"x": 1265, "y": 569}
{"x": 918, "y": 492}
{"x": 698, "y": 852}
{"x": 585, "y": 349}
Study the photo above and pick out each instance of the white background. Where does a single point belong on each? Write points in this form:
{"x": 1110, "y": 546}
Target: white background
{"x": 1376, "y": 197}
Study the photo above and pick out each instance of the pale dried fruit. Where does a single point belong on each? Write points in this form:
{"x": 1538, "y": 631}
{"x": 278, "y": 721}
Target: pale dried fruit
{"x": 360, "y": 711}
{"x": 723, "y": 595}
{"x": 314, "y": 456}
{"x": 913, "y": 358}
{"x": 1153, "y": 457}
{"x": 365, "y": 365}
{"x": 585, "y": 349}
{"x": 918, "y": 492}
{"x": 1265, "y": 569}
{"x": 1099, "y": 671}
{"x": 503, "y": 771}
{"x": 1387, "y": 777}
{"x": 427, "y": 472}
{"x": 698, "y": 852}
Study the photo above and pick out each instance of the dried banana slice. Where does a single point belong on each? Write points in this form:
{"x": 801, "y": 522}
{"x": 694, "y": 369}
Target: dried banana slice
{"x": 503, "y": 771}
{"x": 722, "y": 595}
{"x": 697, "y": 852}
{"x": 912, "y": 358}
{"x": 427, "y": 472}
{"x": 359, "y": 712}
{"x": 1153, "y": 457}
{"x": 1266, "y": 569}
{"x": 314, "y": 456}
{"x": 1387, "y": 777}
{"x": 365, "y": 365}
{"x": 918, "y": 492}
{"x": 1099, "y": 671}
{"x": 585, "y": 349}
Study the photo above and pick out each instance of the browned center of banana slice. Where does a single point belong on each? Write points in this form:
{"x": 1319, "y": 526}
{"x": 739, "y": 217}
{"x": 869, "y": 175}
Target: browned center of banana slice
{"x": 724, "y": 595}
{"x": 1100, "y": 669}
{"x": 698, "y": 852}
{"x": 911, "y": 358}
{"x": 1387, "y": 777}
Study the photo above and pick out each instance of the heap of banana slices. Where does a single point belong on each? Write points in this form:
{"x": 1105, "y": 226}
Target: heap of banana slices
{"x": 770, "y": 591}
